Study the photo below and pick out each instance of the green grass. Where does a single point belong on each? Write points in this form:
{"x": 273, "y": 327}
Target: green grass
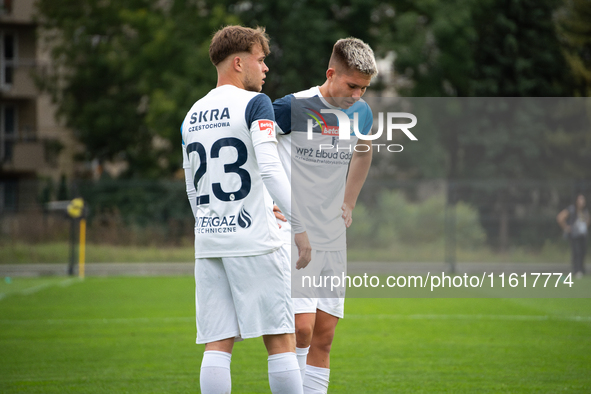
{"x": 136, "y": 335}
{"x": 433, "y": 252}
{"x": 58, "y": 252}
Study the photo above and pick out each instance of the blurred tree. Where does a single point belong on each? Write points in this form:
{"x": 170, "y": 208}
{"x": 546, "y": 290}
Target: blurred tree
{"x": 302, "y": 34}
{"x": 482, "y": 48}
{"x": 124, "y": 73}
{"x": 573, "y": 24}
{"x": 486, "y": 48}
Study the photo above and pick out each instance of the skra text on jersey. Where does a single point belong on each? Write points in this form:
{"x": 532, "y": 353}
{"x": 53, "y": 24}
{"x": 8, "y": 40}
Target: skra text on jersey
{"x": 206, "y": 117}
{"x": 210, "y": 115}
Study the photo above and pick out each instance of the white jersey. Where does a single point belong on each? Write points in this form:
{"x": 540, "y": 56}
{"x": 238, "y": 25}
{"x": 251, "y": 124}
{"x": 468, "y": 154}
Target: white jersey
{"x": 318, "y": 176}
{"x": 233, "y": 210}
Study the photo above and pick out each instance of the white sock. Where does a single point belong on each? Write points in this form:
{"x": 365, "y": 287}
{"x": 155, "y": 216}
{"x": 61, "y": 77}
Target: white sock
{"x": 302, "y": 355}
{"x": 284, "y": 374}
{"x": 215, "y": 375}
{"x": 316, "y": 380}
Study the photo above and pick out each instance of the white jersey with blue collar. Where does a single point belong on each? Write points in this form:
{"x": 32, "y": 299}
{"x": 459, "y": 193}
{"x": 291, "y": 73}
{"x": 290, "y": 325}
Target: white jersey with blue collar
{"x": 232, "y": 207}
{"x": 317, "y": 171}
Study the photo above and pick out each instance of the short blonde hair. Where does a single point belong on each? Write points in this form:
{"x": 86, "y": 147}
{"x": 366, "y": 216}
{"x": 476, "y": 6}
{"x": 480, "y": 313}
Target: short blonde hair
{"x": 354, "y": 54}
{"x": 235, "y": 39}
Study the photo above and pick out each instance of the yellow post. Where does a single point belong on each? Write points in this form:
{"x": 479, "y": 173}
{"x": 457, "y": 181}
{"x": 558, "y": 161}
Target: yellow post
{"x": 82, "y": 249}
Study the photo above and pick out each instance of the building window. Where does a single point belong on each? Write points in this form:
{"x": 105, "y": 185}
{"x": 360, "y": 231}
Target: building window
{"x": 7, "y": 59}
{"x": 8, "y": 134}
{"x": 8, "y": 195}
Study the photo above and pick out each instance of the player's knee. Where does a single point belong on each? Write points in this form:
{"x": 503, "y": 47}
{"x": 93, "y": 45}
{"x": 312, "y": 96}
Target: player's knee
{"x": 304, "y": 334}
{"x": 322, "y": 344}
{"x": 323, "y": 339}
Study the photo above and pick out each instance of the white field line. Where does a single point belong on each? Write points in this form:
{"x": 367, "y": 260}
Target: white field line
{"x": 472, "y": 317}
{"x": 35, "y": 289}
{"x": 184, "y": 319}
{"x": 181, "y": 319}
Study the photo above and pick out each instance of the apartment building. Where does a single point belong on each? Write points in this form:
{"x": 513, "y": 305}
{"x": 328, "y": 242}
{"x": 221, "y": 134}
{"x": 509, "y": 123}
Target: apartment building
{"x": 33, "y": 145}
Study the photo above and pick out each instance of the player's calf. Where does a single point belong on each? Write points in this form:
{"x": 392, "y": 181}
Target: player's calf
{"x": 283, "y": 367}
{"x": 284, "y": 374}
{"x": 324, "y": 330}
{"x": 215, "y": 377}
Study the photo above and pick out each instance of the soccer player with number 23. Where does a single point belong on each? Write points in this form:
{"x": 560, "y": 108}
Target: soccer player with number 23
{"x": 233, "y": 175}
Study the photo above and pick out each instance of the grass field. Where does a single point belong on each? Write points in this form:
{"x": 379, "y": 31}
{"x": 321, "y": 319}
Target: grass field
{"x": 58, "y": 252}
{"x": 136, "y": 335}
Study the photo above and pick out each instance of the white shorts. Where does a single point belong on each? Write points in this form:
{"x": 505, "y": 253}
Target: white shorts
{"x": 321, "y": 284}
{"x": 243, "y": 297}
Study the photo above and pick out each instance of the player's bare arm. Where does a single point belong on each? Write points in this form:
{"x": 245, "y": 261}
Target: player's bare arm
{"x": 304, "y": 250}
{"x": 301, "y": 240}
{"x": 358, "y": 169}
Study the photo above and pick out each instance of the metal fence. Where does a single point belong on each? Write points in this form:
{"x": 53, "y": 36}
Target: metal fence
{"x": 447, "y": 217}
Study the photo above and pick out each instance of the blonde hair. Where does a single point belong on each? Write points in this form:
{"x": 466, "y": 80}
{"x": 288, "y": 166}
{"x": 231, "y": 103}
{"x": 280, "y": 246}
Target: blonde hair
{"x": 354, "y": 54}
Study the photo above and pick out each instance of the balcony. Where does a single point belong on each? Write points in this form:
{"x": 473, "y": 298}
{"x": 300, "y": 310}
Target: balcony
{"x": 20, "y": 84}
{"x": 16, "y": 11}
{"x": 27, "y": 153}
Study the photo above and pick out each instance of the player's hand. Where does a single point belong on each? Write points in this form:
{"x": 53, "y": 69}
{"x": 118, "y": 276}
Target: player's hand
{"x": 568, "y": 229}
{"x": 347, "y": 214}
{"x": 278, "y": 214}
{"x": 304, "y": 250}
